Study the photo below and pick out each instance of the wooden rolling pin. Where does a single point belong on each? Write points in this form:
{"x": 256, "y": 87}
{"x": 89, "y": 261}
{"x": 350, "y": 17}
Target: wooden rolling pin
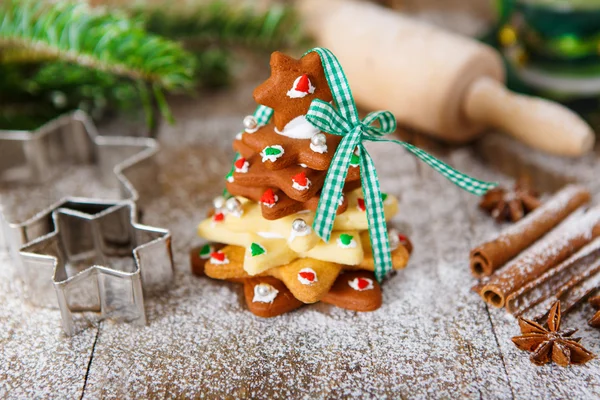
{"x": 449, "y": 86}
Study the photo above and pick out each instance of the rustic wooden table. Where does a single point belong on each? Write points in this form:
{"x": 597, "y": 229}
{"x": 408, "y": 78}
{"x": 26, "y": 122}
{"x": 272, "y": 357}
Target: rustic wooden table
{"x": 432, "y": 338}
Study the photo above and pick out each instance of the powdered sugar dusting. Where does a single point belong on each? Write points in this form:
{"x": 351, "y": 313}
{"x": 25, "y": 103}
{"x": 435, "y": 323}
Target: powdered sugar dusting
{"x": 432, "y": 337}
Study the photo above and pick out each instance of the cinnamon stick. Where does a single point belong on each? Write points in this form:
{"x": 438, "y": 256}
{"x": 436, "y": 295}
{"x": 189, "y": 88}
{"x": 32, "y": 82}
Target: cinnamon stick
{"x": 578, "y": 289}
{"x": 581, "y": 264}
{"x": 567, "y": 238}
{"x": 595, "y": 320}
{"x": 490, "y": 256}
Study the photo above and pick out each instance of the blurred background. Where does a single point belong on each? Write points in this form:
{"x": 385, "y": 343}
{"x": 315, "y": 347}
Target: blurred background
{"x": 135, "y": 60}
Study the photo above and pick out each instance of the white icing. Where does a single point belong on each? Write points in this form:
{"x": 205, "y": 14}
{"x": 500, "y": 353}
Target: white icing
{"x": 271, "y": 205}
{"x": 305, "y": 281}
{"x": 394, "y": 240}
{"x": 298, "y": 128}
{"x": 297, "y": 186}
{"x": 303, "y": 165}
{"x": 294, "y": 234}
{"x": 244, "y": 168}
{"x": 272, "y": 157}
{"x": 264, "y": 293}
{"x": 350, "y": 245}
{"x": 296, "y": 94}
{"x": 319, "y": 149}
{"x": 236, "y": 213}
{"x": 239, "y": 136}
{"x": 219, "y": 262}
{"x": 354, "y": 284}
{"x": 270, "y": 235}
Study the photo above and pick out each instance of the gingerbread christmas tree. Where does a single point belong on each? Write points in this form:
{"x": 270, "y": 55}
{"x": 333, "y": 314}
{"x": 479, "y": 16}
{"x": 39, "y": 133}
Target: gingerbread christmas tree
{"x": 262, "y": 234}
{"x": 283, "y": 164}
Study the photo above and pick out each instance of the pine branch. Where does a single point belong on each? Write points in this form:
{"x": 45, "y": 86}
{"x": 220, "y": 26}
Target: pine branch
{"x": 222, "y": 22}
{"x": 87, "y": 37}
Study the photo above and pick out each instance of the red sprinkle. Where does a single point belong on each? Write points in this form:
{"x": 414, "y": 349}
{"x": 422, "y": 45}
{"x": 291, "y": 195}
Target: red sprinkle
{"x": 218, "y": 217}
{"x": 268, "y": 197}
{"x": 239, "y": 164}
{"x": 361, "y": 205}
{"x": 300, "y": 179}
{"x": 402, "y": 238}
{"x": 309, "y": 276}
{"x": 362, "y": 283}
{"x": 218, "y": 255}
{"x": 303, "y": 84}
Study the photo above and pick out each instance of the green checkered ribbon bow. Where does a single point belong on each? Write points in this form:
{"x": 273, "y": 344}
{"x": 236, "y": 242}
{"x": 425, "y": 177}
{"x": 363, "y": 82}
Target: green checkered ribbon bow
{"x": 344, "y": 121}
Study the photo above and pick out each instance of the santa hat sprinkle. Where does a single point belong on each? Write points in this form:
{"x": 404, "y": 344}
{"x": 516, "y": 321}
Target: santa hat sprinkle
{"x": 241, "y": 165}
{"x": 360, "y": 203}
{"x": 301, "y": 87}
{"x": 218, "y": 217}
{"x": 361, "y": 284}
{"x": 307, "y": 276}
{"x": 300, "y": 181}
{"x": 218, "y": 257}
{"x": 269, "y": 198}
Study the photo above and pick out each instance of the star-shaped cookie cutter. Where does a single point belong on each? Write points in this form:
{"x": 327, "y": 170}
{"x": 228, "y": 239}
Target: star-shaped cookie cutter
{"x": 100, "y": 259}
{"x": 34, "y": 157}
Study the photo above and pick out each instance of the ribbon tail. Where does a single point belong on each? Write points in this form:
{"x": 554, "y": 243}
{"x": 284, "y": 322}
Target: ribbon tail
{"x": 375, "y": 215}
{"x": 334, "y": 184}
{"x": 464, "y": 181}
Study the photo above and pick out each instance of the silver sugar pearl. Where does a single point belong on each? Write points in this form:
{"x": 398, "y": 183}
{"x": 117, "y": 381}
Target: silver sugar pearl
{"x": 233, "y": 205}
{"x": 299, "y": 225}
{"x": 250, "y": 122}
{"x": 219, "y": 202}
{"x": 263, "y": 289}
{"x": 318, "y": 140}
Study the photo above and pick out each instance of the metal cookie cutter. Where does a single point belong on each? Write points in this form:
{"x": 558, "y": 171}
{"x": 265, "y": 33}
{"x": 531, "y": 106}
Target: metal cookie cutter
{"x": 100, "y": 258}
{"x": 125, "y": 162}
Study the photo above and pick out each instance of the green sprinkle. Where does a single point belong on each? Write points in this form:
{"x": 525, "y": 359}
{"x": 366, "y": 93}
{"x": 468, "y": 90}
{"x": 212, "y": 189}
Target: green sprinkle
{"x": 383, "y": 196}
{"x": 256, "y": 249}
{"x": 346, "y": 239}
{"x": 355, "y": 160}
{"x": 271, "y": 151}
{"x": 205, "y": 251}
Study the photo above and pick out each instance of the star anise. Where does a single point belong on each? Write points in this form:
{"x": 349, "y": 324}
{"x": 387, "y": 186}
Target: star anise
{"x": 595, "y": 321}
{"x": 511, "y": 205}
{"x": 551, "y": 344}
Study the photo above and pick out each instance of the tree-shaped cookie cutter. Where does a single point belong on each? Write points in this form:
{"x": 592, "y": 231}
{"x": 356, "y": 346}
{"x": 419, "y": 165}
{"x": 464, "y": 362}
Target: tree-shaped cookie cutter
{"x": 64, "y": 262}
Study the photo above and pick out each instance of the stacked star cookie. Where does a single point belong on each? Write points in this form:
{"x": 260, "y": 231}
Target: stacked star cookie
{"x": 262, "y": 234}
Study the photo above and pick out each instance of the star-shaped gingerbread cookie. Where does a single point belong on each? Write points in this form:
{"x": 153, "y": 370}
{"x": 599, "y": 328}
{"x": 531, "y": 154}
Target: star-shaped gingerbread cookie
{"x": 292, "y": 86}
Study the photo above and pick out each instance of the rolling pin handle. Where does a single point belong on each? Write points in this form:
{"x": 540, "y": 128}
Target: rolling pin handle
{"x": 537, "y": 122}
